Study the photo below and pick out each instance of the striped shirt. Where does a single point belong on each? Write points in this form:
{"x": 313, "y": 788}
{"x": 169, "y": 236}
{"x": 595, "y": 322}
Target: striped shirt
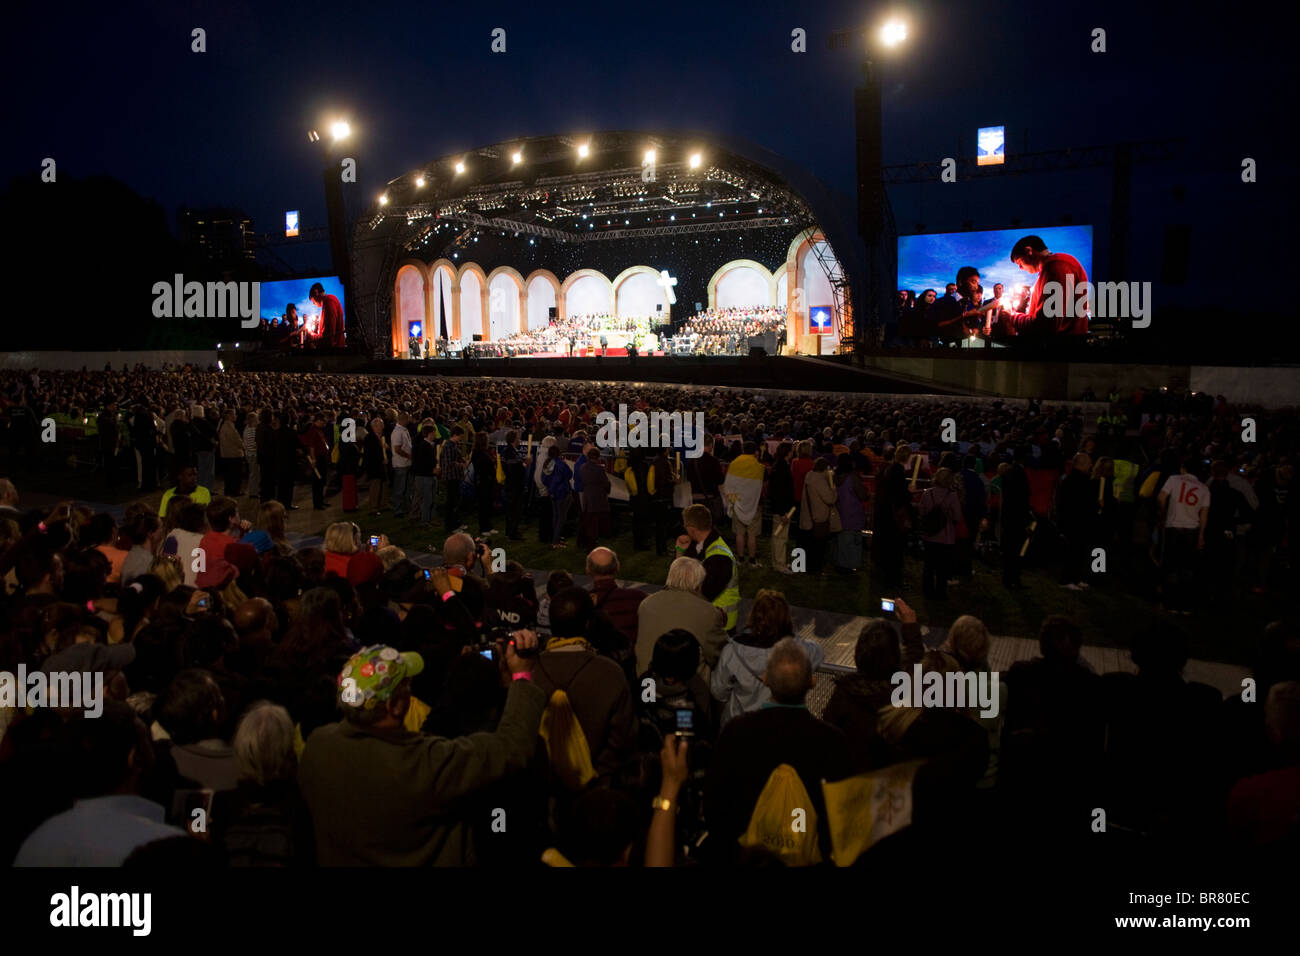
{"x": 451, "y": 461}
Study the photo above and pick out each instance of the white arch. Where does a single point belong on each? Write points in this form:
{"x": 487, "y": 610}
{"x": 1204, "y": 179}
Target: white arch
{"x": 587, "y": 291}
{"x": 742, "y": 282}
{"x": 542, "y": 290}
{"x": 505, "y": 301}
{"x": 637, "y": 291}
{"x": 472, "y": 286}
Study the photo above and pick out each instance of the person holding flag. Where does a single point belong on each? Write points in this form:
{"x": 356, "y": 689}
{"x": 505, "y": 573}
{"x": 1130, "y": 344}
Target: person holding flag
{"x": 742, "y": 490}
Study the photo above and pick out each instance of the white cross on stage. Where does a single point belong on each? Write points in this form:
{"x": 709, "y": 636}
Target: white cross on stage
{"x": 668, "y": 282}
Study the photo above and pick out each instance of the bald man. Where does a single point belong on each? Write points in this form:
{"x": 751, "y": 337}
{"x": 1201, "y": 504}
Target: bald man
{"x": 619, "y": 604}
{"x": 256, "y": 623}
{"x": 460, "y": 555}
{"x": 752, "y": 745}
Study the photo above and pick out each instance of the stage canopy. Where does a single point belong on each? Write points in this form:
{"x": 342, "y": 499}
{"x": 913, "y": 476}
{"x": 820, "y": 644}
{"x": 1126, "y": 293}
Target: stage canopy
{"x": 487, "y": 241}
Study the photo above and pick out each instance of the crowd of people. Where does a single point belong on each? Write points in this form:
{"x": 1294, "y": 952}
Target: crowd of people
{"x": 928, "y": 320}
{"x": 343, "y": 706}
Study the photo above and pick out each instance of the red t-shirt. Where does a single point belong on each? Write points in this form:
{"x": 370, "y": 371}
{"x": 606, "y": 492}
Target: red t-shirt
{"x": 331, "y": 334}
{"x": 214, "y": 545}
{"x": 1073, "y": 319}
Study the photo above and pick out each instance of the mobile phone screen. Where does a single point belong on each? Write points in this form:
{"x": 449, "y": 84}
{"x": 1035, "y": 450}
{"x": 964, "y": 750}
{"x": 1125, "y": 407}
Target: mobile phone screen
{"x": 487, "y": 652}
{"x": 428, "y": 575}
{"x": 886, "y": 604}
{"x": 686, "y": 722}
{"x": 374, "y": 541}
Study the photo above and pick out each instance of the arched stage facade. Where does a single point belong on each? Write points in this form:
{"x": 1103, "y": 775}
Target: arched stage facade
{"x": 493, "y": 297}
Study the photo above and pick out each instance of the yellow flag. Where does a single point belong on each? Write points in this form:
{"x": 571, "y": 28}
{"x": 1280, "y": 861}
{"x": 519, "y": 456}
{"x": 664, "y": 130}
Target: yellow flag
{"x": 864, "y": 809}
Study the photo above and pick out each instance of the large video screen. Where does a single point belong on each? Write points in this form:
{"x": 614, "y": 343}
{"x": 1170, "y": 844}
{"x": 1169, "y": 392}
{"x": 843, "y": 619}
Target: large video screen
{"x": 932, "y": 261}
{"x": 278, "y": 296}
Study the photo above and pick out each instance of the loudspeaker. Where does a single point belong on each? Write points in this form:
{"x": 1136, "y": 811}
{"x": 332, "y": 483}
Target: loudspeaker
{"x": 476, "y": 337}
{"x": 659, "y": 307}
{"x": 552, "y": 312}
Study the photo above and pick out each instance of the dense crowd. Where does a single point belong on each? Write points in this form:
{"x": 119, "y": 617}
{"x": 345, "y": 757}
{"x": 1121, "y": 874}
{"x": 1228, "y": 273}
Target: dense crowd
{"x": 342, "y": 706}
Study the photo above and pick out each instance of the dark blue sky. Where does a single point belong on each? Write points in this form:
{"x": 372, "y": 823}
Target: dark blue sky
{"x": 107, "y": 90}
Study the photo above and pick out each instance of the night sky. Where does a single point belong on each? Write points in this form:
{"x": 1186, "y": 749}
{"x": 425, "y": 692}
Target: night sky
{"x": 112, "y": 90}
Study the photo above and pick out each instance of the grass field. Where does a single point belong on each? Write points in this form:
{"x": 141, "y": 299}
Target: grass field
{"x": 1110, "y": 613}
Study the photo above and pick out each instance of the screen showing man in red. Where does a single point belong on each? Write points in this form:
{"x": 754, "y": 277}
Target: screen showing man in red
{"x": 330, "y": 333}
{"x": 1065, "y": 314}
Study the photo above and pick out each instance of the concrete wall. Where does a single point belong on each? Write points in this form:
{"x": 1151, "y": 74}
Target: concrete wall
{"x": 1267, "y": 387}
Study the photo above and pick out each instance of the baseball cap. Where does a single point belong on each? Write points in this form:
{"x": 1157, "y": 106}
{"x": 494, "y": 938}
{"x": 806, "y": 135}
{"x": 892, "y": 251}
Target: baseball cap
{"x": 372, "y": 674}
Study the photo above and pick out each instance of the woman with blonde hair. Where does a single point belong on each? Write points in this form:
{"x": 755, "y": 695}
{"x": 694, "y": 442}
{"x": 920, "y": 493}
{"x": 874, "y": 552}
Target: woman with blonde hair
{"x": 268, "y": 534}
{"x": 342, "y": 541}
{"x": 168, "y": 571}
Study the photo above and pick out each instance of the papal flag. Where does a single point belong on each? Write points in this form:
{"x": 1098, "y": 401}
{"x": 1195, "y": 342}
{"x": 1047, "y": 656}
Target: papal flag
{"x": 864, "y": 809}
{"x": 742, "y": 489}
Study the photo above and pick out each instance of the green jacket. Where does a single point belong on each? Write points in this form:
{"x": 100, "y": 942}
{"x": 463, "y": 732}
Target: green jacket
{"x": 390, "y": 800}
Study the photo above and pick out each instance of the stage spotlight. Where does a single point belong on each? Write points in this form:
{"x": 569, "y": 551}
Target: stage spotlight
{"x": 313, "y": 136}
{"x": 893, "y": 33}
{"x": 583, "y": 150}
{"x": 340, "y": 130}
{"x": 696, "y": 159}
{"x": 419, "y": 182}
{"x": 649, "y": 155}
{"x": 518, "y": 157}
{"x": 460, "y": 167}
{"x": 672, "y": 218}
{"x": 383, "y": 200}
